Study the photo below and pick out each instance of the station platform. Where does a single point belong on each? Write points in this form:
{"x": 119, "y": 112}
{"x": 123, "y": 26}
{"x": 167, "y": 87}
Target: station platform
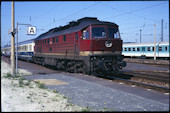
{"x": 100, "y": 94}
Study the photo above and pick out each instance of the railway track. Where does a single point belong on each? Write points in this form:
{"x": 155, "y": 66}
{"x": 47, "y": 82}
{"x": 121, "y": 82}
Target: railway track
{"x": 141, "y": 84}
{"x": 161, "y": 77}
{"x": 155, "y": 81}
{"x": 158, "y": 81}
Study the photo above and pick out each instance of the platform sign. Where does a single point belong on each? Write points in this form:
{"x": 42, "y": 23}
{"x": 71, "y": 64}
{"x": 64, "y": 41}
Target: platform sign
{"x": 31, "y": 30}
{"x": 10, "y": 31}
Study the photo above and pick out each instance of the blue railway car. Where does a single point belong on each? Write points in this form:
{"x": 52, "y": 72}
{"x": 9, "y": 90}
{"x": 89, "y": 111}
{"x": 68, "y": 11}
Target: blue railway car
{"x": 25, "y": 50}
{"x": 146, "y": 50}
{"x": 6, "y": 50}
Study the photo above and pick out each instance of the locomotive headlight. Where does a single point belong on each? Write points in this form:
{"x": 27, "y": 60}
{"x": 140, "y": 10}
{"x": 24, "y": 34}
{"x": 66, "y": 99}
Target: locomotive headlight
{"x": 108, "y": 44}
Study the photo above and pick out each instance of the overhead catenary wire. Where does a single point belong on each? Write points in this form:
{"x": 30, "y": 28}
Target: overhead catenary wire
{"x": 46, "y": 12}
{"x": 72, "y": 14}
{"x": 131, "y": 12}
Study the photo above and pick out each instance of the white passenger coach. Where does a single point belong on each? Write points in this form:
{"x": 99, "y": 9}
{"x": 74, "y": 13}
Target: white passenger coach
{"x": 146, "y": 50}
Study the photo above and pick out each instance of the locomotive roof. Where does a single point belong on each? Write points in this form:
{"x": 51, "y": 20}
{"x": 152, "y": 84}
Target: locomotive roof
{"x": 73, "y": 26}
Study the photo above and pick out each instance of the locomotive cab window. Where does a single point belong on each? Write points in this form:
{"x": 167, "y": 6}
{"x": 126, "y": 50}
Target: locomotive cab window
{"x": 98, "y": 32}
{"x": 85, "y": 34}
{"x": 113, "y": 33}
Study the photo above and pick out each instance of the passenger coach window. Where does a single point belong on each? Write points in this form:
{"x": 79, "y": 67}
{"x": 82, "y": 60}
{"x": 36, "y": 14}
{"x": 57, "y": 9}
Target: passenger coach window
{"x": 166, "y": 48}
{"x": 138, "y": 49}
{"x": 125, "y": 49}
{"x": 133, "y": 49}
{"x": 113, "y": 33}
{"x": 26, "y": 48}
{"x": 148, "y": 49}
{"x": 98, "y": 32}
{"x": 30, "y": 48}
{"x": 143, "y": 48}
{"x": 129, "y": 49}
{"x": 160, "y": 49}
{"x": 152, "y": 48}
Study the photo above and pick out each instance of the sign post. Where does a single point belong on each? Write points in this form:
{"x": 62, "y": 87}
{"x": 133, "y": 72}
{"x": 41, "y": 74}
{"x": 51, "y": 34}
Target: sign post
{"x": 17, "y": 50}
{"x": 31, "y": 31}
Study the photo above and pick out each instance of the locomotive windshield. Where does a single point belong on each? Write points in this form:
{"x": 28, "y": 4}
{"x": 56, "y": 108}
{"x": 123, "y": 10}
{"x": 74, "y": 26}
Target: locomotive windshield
{"x": 113, "y": 33}
{"x": 98, "y": 32}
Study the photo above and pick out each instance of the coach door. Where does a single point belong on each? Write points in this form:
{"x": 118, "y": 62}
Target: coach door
{"x": 76, "y": 46}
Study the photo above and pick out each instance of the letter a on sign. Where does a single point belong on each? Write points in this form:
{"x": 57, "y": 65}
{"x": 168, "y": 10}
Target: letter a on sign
{"x": 31, "y": 30}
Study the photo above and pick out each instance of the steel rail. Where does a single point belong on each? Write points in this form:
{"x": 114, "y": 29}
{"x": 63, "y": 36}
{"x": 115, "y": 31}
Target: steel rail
{"x": 140, "y": 83}
{"x": 150, "y": 76}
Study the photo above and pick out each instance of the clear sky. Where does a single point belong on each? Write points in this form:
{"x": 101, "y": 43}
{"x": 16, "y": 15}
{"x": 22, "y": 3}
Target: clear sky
{"x": 131, "y": 16}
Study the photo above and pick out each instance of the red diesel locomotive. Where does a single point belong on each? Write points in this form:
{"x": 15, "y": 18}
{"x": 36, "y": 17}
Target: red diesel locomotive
{"x": 86, "y": 45}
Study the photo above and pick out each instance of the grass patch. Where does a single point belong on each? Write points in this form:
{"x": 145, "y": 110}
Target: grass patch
{"x": 40, "y": 85}
{"x": 8, "y": 75}
{"x": 66, "y": 97}
{"x": 87, "y": 109}
{"x": 108, "y": 110}
{"x": 55, "y": 91}
{"x": 20, "y": 77}
{"x": 20, "y": 81}
{"x": 28, "y": 97}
